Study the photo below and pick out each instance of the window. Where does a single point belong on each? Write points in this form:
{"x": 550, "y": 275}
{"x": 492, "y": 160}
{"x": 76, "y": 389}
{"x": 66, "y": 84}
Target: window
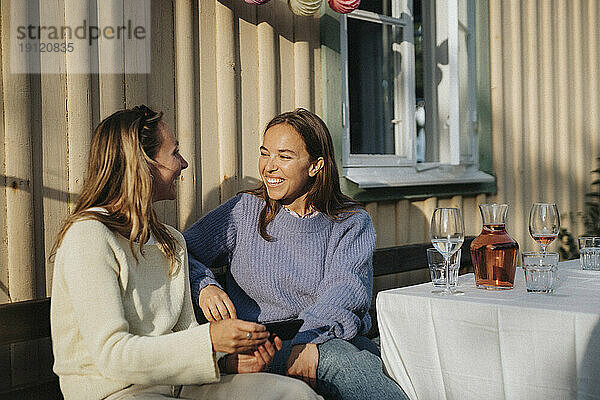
{"x": 409, "y": 93}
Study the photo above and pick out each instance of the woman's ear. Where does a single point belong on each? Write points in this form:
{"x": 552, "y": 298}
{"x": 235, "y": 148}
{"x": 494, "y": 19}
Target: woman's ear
{"x": 315, "y": 167}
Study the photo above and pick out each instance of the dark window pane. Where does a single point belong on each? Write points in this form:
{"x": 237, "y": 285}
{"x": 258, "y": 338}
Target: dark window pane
{"x": 420, "y": 114}
{"x": 371, "y": 87}
{"x": 418, "y": 31}
{"x": 377, "y": 6}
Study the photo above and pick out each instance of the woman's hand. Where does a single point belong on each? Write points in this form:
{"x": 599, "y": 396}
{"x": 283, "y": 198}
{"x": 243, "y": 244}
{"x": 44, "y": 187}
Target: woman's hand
{"x": 215, "y": 304}
{"x": 231, "y": 335}
{"x": 303, "y": 362}
{"x": 253, "y": 361}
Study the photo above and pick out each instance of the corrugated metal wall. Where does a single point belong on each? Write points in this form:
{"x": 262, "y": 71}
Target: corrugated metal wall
{"x": 545, "y": 96}
{"x": 219, "y": 71}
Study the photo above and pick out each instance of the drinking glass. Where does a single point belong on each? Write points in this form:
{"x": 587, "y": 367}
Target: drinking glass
{"x": 541, "y": 271}
{"x": 544, "y": 223}
{"x": 437, "y": 270}
{"x": 447, "y": 234}
{"x": 589, "y": 251}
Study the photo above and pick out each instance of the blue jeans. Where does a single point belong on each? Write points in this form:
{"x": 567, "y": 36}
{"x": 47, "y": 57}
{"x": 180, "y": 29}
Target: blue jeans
{"x": 348, "y": 370}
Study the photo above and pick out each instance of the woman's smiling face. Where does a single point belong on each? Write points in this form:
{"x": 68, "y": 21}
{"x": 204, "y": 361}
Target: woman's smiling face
{"x": 285, "y": 166}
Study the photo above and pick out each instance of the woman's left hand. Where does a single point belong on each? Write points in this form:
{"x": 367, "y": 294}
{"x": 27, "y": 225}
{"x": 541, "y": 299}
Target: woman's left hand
{"x": 303, "y": 362}
{"x": 255, "y": 361}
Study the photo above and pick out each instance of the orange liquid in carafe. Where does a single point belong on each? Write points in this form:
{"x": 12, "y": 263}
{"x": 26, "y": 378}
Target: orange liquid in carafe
{"x": 494, "y": 255}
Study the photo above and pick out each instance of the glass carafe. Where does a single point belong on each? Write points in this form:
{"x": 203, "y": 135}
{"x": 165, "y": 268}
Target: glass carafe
{"x": 494, "y": 252}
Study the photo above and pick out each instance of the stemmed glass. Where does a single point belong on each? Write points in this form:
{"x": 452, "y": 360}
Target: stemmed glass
{"x": 544, "y": 223}
{"x": 447, "y": 234}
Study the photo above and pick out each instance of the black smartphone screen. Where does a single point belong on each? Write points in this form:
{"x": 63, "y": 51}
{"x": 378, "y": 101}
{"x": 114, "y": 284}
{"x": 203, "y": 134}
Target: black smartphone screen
{"x": 285, "y": 329}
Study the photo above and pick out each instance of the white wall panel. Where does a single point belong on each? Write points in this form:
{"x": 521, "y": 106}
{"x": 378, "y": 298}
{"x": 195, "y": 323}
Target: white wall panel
{"x": 219, "y": 70}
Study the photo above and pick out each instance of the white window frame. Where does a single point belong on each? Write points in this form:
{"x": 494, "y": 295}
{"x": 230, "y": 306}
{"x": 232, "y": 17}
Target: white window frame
{"x": 403, "y": 89}
{"x": 401, "y": 168}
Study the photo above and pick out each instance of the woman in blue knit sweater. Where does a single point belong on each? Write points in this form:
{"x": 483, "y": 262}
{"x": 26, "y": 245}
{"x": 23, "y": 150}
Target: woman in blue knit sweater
{"x": 297, "y": 248}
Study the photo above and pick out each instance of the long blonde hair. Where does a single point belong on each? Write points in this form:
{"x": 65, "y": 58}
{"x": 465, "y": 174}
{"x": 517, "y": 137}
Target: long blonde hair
{"x": 119, "y": 179}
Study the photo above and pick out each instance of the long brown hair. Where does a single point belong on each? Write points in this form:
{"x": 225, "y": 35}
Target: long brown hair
{"x": 119, "y": 179}
{"x": 324, "y": 194}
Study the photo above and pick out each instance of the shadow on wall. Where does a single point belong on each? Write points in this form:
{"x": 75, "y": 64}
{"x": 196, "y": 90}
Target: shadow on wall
{"x": 4, "y": 290}
{"x": 247, "y": 182}
{"x": 16, "y": 183}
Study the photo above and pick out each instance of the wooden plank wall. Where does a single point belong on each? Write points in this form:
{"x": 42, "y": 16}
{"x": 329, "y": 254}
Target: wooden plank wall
{"x": 220, "y": 70}
{"x": 407, "y": 221}
{"x": 227, "y": 67}
{"x": 545, "y": 96}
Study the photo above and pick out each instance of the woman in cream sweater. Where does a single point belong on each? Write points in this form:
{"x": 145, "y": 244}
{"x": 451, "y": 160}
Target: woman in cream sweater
{"x": 121, "y": 316}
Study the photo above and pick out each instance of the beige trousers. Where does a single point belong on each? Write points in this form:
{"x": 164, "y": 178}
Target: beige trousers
{"x": 231, "y": 387}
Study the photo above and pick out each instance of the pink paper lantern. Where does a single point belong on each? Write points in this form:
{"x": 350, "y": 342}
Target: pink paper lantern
{"x": 256, "y": 2}
{"x": 304, "y": 7}
{"x": 344, "y": 6}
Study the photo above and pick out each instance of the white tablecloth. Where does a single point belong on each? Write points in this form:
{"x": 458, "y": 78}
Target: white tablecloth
{"x": 495, "y": 344}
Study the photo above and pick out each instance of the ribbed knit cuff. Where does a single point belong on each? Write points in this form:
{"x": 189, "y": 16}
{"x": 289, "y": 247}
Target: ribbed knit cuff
{"x": 205, "y": 336}
{"x": 200, "y": 283}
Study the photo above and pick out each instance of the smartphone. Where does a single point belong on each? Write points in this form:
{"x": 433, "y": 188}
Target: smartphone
{"x": 286, "y": 329}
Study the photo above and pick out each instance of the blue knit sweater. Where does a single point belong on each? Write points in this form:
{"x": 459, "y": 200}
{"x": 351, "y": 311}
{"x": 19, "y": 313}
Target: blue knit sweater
{"x": 317, "y": 269}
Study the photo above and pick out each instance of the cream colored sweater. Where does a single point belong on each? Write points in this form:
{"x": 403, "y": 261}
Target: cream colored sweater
{"x": 115, "y": 322}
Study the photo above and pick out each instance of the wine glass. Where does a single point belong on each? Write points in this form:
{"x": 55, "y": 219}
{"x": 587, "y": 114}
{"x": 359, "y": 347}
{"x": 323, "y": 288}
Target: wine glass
{"x": 447, "y": 234}
{"x": 544, "y": 223}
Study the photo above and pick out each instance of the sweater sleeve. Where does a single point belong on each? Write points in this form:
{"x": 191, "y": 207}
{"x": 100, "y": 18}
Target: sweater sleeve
{"x": 186, "y": 318}
{"x": 211, "y": 237}
{"x": 89, "y": 271}
{"x": 346, "y": 289}
{"x": 200, "y": 276}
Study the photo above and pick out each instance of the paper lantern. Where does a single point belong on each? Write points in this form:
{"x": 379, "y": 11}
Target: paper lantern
{"x": 344, "y": 6}
{"x": 304, "y": 7}
{"x": 256, "y": 2}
